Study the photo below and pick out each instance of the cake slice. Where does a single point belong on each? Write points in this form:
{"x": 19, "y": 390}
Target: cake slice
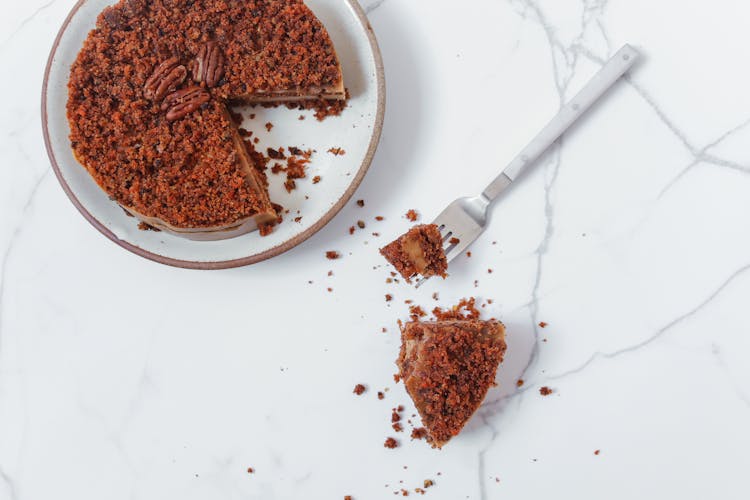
{"x": 447, "y": 367}
{"x": 419, "y": 251}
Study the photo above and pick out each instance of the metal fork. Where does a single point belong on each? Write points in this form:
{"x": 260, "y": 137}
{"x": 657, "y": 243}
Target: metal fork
{"x": 464, "y": 220}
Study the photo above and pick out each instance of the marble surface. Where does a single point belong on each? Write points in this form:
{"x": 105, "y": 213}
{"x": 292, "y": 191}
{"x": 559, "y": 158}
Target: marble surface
{"x": 124, "y": 379}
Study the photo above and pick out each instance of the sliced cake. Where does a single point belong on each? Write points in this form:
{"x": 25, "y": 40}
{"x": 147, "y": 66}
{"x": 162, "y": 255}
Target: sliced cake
{"x": 148, "y": 97}
{"x": 447, "y": 367}
{"x": 419, "y": 251}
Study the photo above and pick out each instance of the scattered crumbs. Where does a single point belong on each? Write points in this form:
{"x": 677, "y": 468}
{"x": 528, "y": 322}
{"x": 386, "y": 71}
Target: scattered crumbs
{"x": 412, "y": 215}
{"x": 468, "y": 254}
{"x": 395, "y": 417}
{"x": 337, "y": 151}
{"x": 244, "y": 132}
{"x": 494, "y": 242}
{"x": 381, "y": 395}
{"x": 419, "y": 433}
{"x": 269, "y": 126}
{"x": 388, "y": 297}
{"x": 489, "y": 271}
{"x": 302, "y": 117}
{"x": 397, "y": 427}
{"x": 404, "y": 493}
{"x": 519, "y": 382}
{"x": 545, "y": 391}
{"x": 332, "y": 254}
{"x": 316, "y": 179}
{"x": 360, "y": 203}
{"x": 359, "y": 389}
{"x": 476, "y": 283}
{"x": 298, "y": 219}
{"x": 497, "y": 479}
{"x": 408, "y": 301}
{"x": 351, "y": 230}
{"x": 250, "y": 470}
{"x": 376, "y": 234}
{"x": 256, "y": 140}
{"x": 361, "y": 224}
{"x": 329, "y": 289}
{"x": 542, "y": 324}
{"x": 390, "y": 443}
{"x": 384, "y": 329}
{"x": 454, "y": 241}
{"x": 400, "y": 408}
{"x": 379, "y": 218}
{"x": 435, "y": 296}
{"x": 429, "y": 482}
{"x": 490, "y": 301}
{"x": 596, "y": 452}
{"x": 330, "y": 273}
{"x": 419, "y": 490}
{"x": 276, "y": 154}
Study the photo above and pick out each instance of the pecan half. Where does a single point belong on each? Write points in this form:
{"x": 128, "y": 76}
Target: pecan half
{"x": 166, "y": 78}
{"x": 208, "y": 65}
{"x": 184, "y": 101}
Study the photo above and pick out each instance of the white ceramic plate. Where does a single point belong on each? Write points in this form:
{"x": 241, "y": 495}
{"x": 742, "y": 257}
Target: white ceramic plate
{"x": 357, "y": 131}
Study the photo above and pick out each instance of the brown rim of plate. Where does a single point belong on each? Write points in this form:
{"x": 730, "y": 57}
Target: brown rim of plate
{"x": 271, "y": 252}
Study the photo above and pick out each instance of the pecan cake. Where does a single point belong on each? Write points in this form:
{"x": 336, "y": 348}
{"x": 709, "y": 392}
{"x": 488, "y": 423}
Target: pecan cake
{"x": 447, "y": 367}
{"x": 148, "y": 105}
{"x": 419, "y": 251}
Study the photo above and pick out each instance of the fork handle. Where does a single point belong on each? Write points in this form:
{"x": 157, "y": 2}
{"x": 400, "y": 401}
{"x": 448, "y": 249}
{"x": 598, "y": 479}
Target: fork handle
{"x": 617, "y": 66}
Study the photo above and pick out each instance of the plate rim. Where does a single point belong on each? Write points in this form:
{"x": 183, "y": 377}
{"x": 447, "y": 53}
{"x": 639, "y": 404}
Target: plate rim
{"x": 251, "y": 259}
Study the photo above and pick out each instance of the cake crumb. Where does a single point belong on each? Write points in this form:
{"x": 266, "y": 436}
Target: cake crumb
{"x": 596, "y": 452}
{"x": 390, "y": 443}
{"x": 300, "y": 118}
{"x": 359, "y": 389}
{"x": 332, "y": 255}
{"x": 519, "y": 382}
{"x": 429, "y": 482}
{"x": 542, "y": 324}
{"x": 379, "y": 218}
{"x": 361, "y": 203}
{"x": 361, "y": 224}
{"x": 388, "y": 297}
{"x": 250, "y": 470}
{"x": 298, "y": 219}
{"x": 316, "y": 179}
{"x": 351, "y": 230}
{"x": 412, "y": 215}
{"x": 381, "y": 395}
{"x": 397, "y": 427}
{"x": 329, "y": 289}
{"x": 269, "y": 126}
{"x": 468, "y": 254}
{"x": 395, "y": 417}
{"x": 489, "y": 271}
{"x": 337, "y": 151}
{"x": 545, "y": 391}
{"x": 419, "y": 433}
{"x": 454, "y": 241}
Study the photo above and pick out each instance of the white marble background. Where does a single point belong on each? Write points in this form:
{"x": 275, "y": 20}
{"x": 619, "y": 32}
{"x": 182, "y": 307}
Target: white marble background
{"x": 124, "y": 379}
